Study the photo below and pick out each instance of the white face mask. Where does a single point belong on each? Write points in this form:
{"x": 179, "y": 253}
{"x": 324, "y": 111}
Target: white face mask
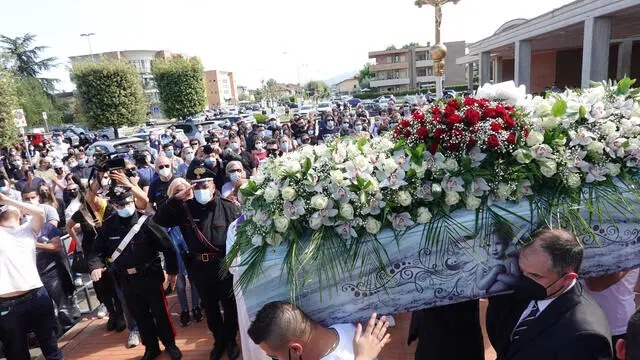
{"x": 105, "y": 182}
{"x": 166, "y": 172}
{"x": 259, "y": 146}
{"x": 189, "y": 157}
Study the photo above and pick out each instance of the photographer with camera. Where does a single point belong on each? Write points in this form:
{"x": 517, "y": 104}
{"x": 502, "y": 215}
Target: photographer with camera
{"x": 143, "y": 160}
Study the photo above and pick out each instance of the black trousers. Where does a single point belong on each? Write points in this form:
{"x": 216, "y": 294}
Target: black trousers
{"x": 147, "y": 304}
{"x": 106, "y": 294}
{"x": 449, "y": 332}
{"x": 214, "y": 290}
{"x": 17, "y": 318}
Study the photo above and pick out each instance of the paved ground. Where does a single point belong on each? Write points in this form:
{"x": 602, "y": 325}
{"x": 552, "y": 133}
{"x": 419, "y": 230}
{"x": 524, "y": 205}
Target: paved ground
{"x": 89, "y": 340}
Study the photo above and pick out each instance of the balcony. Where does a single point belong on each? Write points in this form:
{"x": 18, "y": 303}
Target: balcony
{"x": 387, "y": 67}
{"x": 389, "y": 82}
{"x": 424, "y": 63}
{"x": 426, "y": 79}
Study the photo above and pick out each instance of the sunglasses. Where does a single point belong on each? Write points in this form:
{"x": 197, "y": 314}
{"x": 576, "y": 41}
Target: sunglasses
{"x": 164, "y": 167}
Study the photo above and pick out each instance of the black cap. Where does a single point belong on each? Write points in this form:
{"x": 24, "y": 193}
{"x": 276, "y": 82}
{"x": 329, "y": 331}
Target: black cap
{"x": 120, "y": 195}
{"x": 198, "y": 171}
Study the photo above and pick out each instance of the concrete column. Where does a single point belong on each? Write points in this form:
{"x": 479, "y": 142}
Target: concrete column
{"x": 497, "y": 70}
{"x": 595, "y": 50}
{"x": 484, "y": 68}
{"x": 470, "y": 74}
{"x": 624, "y": 59}
{"x": 522, "y": 64}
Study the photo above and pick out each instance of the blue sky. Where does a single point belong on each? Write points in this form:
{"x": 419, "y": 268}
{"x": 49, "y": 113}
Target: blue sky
{"x": 251, "y": 37}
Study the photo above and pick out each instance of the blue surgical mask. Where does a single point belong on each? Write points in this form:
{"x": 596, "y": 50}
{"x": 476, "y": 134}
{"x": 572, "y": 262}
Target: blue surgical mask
{"x": 284, "y": 146}
{"x": 210, "y": 161}
{"x": 235, "y": 146}
{"x": 345, "y": 125}
{"x": 330, "y": 124}
{"x": 81, "y": 162}
{"x": 358, "y": 127}
{"x": 17, "y": 163}
{"x": 233, "y": 177}
{"x": 127, "y": 211}
{"x": 377, "y": 123}
{"x": 169, "y": 153}
{"x": 272, "y": 123}
{"x": 202, "y": 196}
{"x": 4, "y": 189}
{"x": 311, "y": 132}
{"x": 226, "y": 133}
{"x": 261, "y": 133}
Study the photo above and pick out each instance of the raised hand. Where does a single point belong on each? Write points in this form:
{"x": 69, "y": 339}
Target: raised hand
{"x": 367, "y": 345}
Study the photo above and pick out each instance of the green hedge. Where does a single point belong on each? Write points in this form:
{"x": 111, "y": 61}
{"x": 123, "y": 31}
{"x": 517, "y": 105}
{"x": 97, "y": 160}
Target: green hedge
{"x": 259, "y": 117}
{"x": 372, "y": 95}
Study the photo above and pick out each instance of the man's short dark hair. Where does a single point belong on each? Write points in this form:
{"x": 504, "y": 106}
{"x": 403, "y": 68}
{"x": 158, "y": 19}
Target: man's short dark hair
{"x": 167, "y": 145}
{"x": 279, "y": 322}
{"x": 28, "y": 189}
{"x": 562, "y": 246}
{"x": 632, "y": 340}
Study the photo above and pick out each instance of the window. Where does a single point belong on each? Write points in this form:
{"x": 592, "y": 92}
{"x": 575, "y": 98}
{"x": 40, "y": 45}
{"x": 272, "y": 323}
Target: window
{"x": 422, "y": 72}
{"x": 421, "y": 56}
{"x": 395, "y": 59}
{"x": 397, "y": 74}
{"x": 430, "y": 71}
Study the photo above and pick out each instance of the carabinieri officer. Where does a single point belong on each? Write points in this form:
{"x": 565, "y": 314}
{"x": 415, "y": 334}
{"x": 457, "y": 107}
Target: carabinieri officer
{"x": 129, "y": 244}
{"x": 204, "y": 217}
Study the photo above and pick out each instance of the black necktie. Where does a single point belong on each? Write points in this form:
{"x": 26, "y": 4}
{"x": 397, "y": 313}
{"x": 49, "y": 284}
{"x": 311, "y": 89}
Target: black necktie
{"x": 525, "y": 322}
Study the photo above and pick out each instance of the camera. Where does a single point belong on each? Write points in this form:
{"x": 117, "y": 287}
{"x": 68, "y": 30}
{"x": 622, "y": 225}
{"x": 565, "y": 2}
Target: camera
{"x": 108, "y": 162}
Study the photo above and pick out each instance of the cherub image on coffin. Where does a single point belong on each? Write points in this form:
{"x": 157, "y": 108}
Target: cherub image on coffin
{"x": 499, "y": 271}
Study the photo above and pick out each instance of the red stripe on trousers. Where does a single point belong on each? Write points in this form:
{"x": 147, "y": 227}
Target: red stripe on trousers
{"x": 166, "y": 309}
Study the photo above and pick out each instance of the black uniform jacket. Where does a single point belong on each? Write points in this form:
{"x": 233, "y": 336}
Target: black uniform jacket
{"x": 143, "y": 249}
{"x": 212, "y": 218}
{"x": 572, "y": 327}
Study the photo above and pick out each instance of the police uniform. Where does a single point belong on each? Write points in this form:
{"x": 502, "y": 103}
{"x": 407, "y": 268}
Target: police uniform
{"x": 138, "y": 270}
{"x": 204, "y": 228}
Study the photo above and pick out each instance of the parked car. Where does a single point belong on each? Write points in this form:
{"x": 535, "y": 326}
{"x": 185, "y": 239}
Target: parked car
{"x": 411, "y": 99}
{"x": 159, "y": 131}
{"x": 324, "y": 107}
{"x": 255, "y": 107}
{"x": 108, "y": 133}
{"x": 354, "y": 102}
{"x": 190, "y": 129}
{"x": 37, "y": 138}
{"x": 305, "y": 110}
{"x": 373, "y": 108}
{"x": 117, "y": 145}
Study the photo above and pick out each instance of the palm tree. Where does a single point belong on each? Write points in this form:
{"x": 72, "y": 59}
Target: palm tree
{"x": 25, "y": 61}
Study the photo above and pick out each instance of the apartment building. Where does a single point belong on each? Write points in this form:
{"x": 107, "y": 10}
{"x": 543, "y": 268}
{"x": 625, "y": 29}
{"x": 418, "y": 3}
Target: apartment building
{"x": 221, "y": 88}
{"x": 412, "y": 68}
{"x": 142, "y": 60}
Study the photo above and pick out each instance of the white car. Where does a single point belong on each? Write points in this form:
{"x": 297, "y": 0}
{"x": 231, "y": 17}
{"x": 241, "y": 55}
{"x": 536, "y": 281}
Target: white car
{"x": 324, "y": 107}
{"x": 305, "y": 110}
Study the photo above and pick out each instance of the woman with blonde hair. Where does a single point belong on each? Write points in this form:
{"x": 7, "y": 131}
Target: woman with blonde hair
{"x": 176, "y": 186}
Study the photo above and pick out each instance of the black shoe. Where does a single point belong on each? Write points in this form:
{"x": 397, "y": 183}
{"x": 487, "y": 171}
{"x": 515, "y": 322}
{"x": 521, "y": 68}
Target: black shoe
{"x": 151, "y": 353}
{"x": 111, "y": 323}
{"x": 197, "y": 314}
{"x": 120, "y": 324}
{"x": 184, "y": 318}
{"x": 174, "y": 352}
{"x": 216, "y": 353}
{"x": 233, "y": 352}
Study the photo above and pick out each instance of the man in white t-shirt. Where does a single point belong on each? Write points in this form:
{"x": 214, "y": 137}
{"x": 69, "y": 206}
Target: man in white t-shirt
{"x": 284, "y": 332}
{"x": 24, "y": 303}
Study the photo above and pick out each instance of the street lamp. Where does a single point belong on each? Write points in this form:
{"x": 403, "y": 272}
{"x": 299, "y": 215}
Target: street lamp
{"x": 89, "y": 35}
{"x": 439, "y": 50}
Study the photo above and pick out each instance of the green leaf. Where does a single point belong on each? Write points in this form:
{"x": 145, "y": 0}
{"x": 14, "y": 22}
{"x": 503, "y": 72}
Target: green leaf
{"x": 582, "y": 112}
{"x": 559, "y": 108}
{"x": 466, "y": 163}
{"x": 624, "y": 85}
{"x": 306, "y": 166}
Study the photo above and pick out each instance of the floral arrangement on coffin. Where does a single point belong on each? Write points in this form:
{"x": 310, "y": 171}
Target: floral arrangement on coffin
{"x": 327, "y": 203}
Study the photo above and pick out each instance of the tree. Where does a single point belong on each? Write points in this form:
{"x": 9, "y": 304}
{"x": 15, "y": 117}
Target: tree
{"x": 25, "y": 61}
{"x": 34, "y": 101}
{"x": 109, "y": 93}
{"x": 181, "y": 86}
{"x": 365, "y": 75}
{"x": 390, "y": 47}
{"x": 244, "y": 97}
{"x": 411, "y": 44}
{"x": 317, "y": 87}
{"x": 8, "y": 102}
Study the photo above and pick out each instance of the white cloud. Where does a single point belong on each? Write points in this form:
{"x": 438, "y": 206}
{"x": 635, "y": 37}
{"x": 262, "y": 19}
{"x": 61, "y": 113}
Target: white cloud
{"x": 249, "y": 36}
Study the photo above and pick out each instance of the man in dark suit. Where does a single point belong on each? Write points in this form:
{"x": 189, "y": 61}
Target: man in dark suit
{"x": 550, "y": 315}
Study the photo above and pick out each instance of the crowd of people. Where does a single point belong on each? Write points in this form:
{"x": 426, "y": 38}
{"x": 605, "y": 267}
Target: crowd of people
{"x": 150, "y": 220}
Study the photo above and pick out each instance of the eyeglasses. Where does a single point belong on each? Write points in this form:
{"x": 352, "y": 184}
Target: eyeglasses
{"x": 235, "y": 170}
{"x": 164, "y": 167}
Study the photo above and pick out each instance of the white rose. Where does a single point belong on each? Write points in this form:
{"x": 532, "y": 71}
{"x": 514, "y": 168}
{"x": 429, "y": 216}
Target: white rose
{"x": 372, "y": 225}
{"x": 451, "y": 165}
{"x": 346, "y": 210}
{"x": 472, "y": 202}
{"x": 535, "y": 138}
{"x": 389, "y": 166}
{"x": 573, "y": 180}
{"x": 336, "y": 176}
{"x": 315, "y": 222}
{"x": 257, "y": 240}
{"x": 522, "y": 156}
{"x": 258, "y": 179}
{"x": 292, "y": 166}
{"x": 281, "y": 223}
{"x": 404, "y": 198}
{"x": 550, "y": 123}
{"x": 270, "y": 193}
{"x": 596, "y": 146}
{"x": 436, "y": 189}
{"x": 319, "y": 201}
{"x": 548, "y": 168}
{"x": 289, "y": 193}
{"x": 452, "y": 198}
{"x": 608, "y": 128}
{"x": 274, "y": 240}
{"x": 374, "y": 188}
{"x": 614, "y": 169}
{"x": 424, "y": 215}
